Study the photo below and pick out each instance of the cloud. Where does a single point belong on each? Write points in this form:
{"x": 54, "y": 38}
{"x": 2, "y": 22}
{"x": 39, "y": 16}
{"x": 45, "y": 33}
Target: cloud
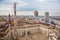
{"x": 6, "y": 8}
{"x": 52, "y": 6}
{"x": 21, "y": 3}
{"x": 8, "y": 4}
{"x": 41, "y": 1}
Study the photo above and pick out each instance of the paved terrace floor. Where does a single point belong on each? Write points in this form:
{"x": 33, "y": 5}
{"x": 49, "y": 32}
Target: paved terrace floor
{"x": 36, "y": 36}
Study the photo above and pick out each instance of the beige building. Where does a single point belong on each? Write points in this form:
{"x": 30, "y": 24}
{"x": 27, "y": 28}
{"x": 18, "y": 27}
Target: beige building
{"x": 4, "y": 32}
{"x": 57, "y": 32}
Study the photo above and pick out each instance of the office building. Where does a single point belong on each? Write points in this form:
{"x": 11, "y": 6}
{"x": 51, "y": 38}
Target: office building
{"x": 46, "y": 17}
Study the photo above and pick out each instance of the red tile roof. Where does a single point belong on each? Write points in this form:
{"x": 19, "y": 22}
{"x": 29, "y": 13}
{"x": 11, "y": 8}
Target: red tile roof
{"x": 2, "y": 29}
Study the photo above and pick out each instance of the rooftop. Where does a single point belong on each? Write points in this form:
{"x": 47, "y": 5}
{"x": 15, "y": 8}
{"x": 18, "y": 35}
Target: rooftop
{"x": 36, "y": 36}
{"x": 3, "y": 28}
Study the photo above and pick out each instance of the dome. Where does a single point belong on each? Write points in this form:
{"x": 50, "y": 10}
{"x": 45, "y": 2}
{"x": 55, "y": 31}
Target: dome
{"x": 36, "y": 13}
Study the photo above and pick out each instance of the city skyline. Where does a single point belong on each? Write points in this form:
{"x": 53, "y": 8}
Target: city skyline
{"x": 29, "y": 20}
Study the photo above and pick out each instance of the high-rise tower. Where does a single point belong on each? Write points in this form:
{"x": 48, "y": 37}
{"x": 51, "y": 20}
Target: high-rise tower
{"x": 46, "y": 17}
{"x": 35, "y": 15}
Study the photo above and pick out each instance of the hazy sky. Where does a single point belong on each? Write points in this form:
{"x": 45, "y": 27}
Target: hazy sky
{"x": 52, "y": 6}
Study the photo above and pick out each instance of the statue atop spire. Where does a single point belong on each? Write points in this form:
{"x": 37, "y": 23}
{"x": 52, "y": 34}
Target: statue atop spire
{"x": 15, "y": 8}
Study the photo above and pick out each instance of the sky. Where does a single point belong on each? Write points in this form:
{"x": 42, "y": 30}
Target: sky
{"x": 51, "y": 6}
